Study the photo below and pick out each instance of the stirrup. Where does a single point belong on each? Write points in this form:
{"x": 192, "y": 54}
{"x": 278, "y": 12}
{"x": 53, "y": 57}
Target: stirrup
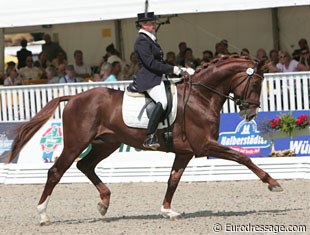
{"x": 151, "y": 142}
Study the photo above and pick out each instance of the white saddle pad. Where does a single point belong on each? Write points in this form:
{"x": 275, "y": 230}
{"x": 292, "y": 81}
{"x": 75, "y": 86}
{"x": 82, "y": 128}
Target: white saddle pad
{"x": 134, "y": 116}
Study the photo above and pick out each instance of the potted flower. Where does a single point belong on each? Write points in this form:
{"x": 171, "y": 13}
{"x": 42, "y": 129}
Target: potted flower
{"x": 284, "y": 126}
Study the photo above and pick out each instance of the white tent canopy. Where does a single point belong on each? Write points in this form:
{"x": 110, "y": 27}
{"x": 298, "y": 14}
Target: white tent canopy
{"x": 46, "y": 12}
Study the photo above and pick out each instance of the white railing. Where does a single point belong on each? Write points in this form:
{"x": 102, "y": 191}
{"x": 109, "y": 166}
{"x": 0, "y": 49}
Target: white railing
{"x": 281, "y": 91}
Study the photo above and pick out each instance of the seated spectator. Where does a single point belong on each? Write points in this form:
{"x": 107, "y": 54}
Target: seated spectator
{"x": 22, "y": 54}
{"x": 116, "y": 68}
{"x": 60, "y": 59}
{"x": 287, "y": 64}
{"x": 207, "y": 56}
{"x": 245, "y": 52}
{"x": 133, "y": 68}
{"x": 303, "y": 47}
{"x": 51, "y": 75}
{"x": 271, "y": 65}
{"x": 81, "y": 69}
{"x": 70, "y": 76}
{"x": 105, "y": 71}
{"x": 171, "y": 58}
{"x": 181, "y": 55}
{"x": 13, "y": 79}
{"x": 42, "y": 63}
{"x": 114, "y": 55}
{"x": 221, "y": 48}
{"x": 29, "y": 72}
{"x": 261, "y": 54}
{"x": 61, "y": 70}
{"x": 304, "y": 57}
{"x": 190, "y": 60}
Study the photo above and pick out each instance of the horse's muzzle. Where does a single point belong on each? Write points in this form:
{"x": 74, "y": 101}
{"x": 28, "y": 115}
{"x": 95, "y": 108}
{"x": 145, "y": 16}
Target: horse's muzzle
{"x": 248, "y": 114}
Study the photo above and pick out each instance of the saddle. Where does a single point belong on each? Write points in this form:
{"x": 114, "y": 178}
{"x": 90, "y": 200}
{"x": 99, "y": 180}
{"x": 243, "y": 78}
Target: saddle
{"x": 137, "y": 108}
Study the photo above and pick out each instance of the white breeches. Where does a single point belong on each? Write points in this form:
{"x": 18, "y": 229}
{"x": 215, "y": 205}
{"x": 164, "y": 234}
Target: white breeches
{"x": 158, "y": 94}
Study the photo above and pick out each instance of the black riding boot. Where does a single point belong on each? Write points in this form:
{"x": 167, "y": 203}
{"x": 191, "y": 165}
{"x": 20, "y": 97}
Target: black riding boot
{"x": 151, "y": 140}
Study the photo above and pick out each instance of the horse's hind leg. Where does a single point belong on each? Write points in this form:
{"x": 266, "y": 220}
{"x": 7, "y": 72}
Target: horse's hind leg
{"x": 54, "y": 175}
{"x": 217, "y": 150}
{"x": 179, "y": 165}
{"x": 87, "y": 165}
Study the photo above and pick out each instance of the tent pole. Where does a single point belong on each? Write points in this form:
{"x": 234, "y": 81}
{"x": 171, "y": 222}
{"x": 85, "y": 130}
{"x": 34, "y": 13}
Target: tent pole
{"x": 2, "y": 50}
{"x": 275, "y": 28}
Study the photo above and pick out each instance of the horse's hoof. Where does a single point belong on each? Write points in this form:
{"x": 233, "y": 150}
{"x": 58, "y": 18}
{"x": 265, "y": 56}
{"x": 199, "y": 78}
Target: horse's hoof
{"x": 170, "y": 214}
{"x": 275, "y": 188}
{"x": 45, "y": 223}
{"x": 102, "y": 208}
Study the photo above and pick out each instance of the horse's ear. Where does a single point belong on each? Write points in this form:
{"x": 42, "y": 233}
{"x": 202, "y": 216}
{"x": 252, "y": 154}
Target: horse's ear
{"x": 259, "y": 65}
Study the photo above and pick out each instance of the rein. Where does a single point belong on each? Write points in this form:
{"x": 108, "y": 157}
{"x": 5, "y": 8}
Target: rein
{"x": 240, "y": 102}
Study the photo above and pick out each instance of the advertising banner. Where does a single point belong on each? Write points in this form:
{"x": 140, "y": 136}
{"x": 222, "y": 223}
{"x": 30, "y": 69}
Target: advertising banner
{"x": 246, "y": 137}
{"x": 255, "y": 140}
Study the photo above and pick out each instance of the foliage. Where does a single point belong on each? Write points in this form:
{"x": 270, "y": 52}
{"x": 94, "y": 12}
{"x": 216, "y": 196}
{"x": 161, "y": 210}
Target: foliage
{"x": 285, "y": 123}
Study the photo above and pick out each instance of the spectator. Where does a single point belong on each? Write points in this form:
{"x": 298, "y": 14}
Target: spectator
{"x": 112, "y": 56}
{"x": 271, "y": 64}
{"x": 60, "y": 59}
{"x": 181, "y": 54}
{"x": 51, "y": 48}
{"x": 61, "y": 70}
{"x": 133, "y": 68}
{"x": 171, "y": 58}
{"x": 116, "y": 68}
{"x": 42, "y": 63}
{"x": 80, "y": 68}
{"x": 70, "y": 76}
{"x": 13, "y": 78}
{"x": 51, "y": 75}
{"x": 105, "y": 72}
{"x": 29, "y": 72}
{"x": 207, "y": 56}
{"x": 22, "y": 54}
{"x": 303, "y": 46}
{"x": 304, "y": 57}
{"x": 189, "y": 59}
{"x": 287, "y": 64}
{"x": 245, "y": 52}
{"x": 261, "y": 54}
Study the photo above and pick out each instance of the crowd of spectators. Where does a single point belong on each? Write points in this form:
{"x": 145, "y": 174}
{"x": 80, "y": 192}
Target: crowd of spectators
{"x": 52, "y": 64}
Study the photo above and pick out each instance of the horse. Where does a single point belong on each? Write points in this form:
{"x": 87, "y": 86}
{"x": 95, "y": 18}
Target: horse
{"x": 195, "y": 130}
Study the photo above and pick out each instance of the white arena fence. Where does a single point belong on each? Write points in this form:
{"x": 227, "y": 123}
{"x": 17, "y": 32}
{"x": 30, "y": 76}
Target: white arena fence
{"x": 281, "y": 92}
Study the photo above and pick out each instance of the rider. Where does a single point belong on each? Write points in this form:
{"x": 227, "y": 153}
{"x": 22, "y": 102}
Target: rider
{"x": 152, "y": 68}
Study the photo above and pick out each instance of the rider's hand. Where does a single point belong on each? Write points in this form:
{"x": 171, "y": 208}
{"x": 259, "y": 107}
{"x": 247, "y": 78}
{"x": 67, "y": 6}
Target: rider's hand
{"x": 177, "y": 70}
{"x": 190, "y": 71}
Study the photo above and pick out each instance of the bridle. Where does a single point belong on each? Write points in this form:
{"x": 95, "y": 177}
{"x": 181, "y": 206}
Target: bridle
{"x": 242, "y": 102}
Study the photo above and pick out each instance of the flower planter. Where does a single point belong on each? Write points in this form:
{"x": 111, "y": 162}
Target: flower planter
{"x": 281, "y": 135}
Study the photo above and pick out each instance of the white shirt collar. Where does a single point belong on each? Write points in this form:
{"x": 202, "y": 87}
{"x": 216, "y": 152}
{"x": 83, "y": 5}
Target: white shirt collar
{"x": 152, "y": 36}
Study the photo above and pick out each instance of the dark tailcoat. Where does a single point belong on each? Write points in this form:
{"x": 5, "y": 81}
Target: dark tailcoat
{"x": 152, "y": 65}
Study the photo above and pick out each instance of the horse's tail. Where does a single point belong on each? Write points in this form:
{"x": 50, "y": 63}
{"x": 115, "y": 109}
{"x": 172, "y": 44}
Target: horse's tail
{"x": 28, "y": 129}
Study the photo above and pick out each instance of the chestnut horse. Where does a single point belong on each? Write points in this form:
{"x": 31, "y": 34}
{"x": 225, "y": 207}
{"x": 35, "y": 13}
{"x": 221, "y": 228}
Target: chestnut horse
{"x": 195, "y": 130}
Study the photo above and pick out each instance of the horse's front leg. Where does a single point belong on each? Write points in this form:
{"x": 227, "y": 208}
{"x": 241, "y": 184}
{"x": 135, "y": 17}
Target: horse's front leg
{"x": 179, "y": 165}
{"x": 220, "y": 151}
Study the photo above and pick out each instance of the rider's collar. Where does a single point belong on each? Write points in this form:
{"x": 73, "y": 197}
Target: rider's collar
{"x": 152, "y": 36}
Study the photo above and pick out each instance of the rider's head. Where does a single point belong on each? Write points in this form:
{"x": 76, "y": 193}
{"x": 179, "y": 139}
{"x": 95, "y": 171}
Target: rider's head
{"x": 146, "y": 21}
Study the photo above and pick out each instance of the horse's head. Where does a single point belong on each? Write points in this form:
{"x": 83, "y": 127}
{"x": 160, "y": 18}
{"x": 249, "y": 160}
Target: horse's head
{"x": 246, "y": 87}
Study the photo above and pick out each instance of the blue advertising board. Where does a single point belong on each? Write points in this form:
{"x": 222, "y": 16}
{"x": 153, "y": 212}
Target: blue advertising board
{"x": 246, "y": 136}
